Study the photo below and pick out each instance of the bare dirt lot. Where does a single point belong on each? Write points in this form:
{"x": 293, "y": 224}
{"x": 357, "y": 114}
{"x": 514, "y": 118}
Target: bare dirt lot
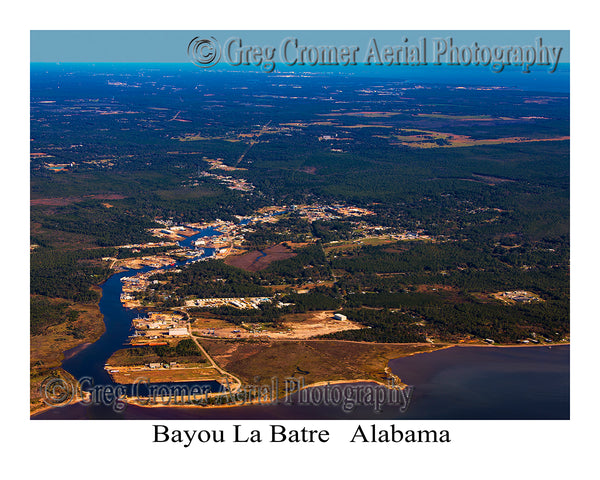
{"x": 294, "y": 327}
{"x": 140, "y": 262}
{"x": 312, "y": 324}
{"x": 259, "y": 260}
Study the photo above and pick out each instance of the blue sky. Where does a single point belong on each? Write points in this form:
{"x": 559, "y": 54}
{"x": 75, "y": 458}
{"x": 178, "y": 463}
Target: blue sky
{"x": 171, "y": 45}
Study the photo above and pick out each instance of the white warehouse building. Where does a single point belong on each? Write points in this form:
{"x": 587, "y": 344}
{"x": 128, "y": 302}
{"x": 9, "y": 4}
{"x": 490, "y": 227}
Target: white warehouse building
{"x": 178, "y": 332}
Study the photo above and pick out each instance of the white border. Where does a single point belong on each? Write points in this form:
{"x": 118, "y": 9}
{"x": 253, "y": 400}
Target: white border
{"x": 479, "y": 449}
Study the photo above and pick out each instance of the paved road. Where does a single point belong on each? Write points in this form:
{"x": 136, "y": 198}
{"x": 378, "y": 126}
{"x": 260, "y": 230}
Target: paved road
{"x": 237, "y": 383}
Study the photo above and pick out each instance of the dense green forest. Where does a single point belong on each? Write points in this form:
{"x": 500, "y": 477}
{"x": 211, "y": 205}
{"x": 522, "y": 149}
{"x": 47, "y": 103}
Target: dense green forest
{"x": 67, "y": 274}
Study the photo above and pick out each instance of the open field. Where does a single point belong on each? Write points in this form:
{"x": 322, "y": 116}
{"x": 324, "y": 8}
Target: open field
{"x": 314, "y": 360}
{"x": 131, "y": 374}
{"x": 479, "y": 118}
{"x": 342, "y": 246}
{"x": 365, "y": 114}
{"x": 204, "y": 320}
{"x": 364, "y": 126}
{"x": 256, "y": 260}
{"x": 306, "y": 286}
{"x": 433, "y": 139}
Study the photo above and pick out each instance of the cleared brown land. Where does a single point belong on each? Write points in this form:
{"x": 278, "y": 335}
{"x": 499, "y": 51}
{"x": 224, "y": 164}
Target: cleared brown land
{"x": 314, "y": 360}
{"x": 255, "y": 260}
{"x": 448, "y": 293}
{"x": 141, "y": 262}
{"x": 356, "y": 244}
{"x": 375, "y": 125}
{"x": 205, "y": 321}
{"x": 427, "y": 139}
{"x": 482, "y": 297}
{"x": 312, "y": 324}
{"x": 61, "y": 201}
{"x": 364, "y": 114}
{"x": 293, "y": 326}
{"x": 492, "y": 180}
{"x": 129, "y": 375}
{"x": 477, "y": 118}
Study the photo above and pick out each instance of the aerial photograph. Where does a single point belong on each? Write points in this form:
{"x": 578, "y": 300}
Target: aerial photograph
{"x": 300, "y": 225}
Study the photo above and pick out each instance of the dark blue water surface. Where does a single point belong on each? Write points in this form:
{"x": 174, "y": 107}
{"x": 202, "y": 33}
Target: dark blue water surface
{"x": 90, "y": 361}
{"x": 488, "y": 383}
{"x": 206, "y": 232}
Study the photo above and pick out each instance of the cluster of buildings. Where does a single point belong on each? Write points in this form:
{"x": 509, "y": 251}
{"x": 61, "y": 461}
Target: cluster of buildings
{"x": 239, "y": 302}
{"x": 219, "y": 165}
{"x": 228, "y": 236}
{"x": 134, "y": 284}
{"x": 329, "y": 212}
{"x": 140, "y": 246}
{"x": 231, "y": 183}
{"x": 411, "y": 235}
{"x": 518, "y": 296}
{"x": 535, "y": 339}
{"x": 175, "y": 233}
{"x": 160, "y": 325}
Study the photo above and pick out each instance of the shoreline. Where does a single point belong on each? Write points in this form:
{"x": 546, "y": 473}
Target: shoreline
{"x": 71, "y": 352}
{"x": 47, "y": 407}
{"x": 255, "y": 402}
{"x": 517, "y": 345}
{"x": 275, "y": 400}
{"x": 323, "y": 383}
